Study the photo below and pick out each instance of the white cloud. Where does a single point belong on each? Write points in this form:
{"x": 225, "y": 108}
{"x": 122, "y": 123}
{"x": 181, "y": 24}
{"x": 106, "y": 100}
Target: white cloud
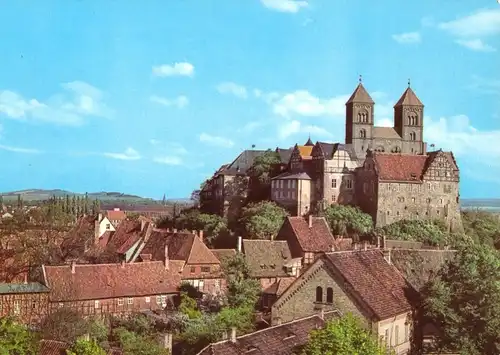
{"x": 168, "y": 160}
{"x": 303, "y": 103}
{"x": 251, "y": 126}
{"x": 232, "y": 89}
{"x": 20, "y": 150}
{"x": 177, "y": 69}
{"x": 290, "y": 128}
{"x": 485, "y": 22}
{"x": 129, "y": 154}
{"x": 475, "y": 45}
{"x": 216, "y": 141}
{"x": 179, "y": 101}
{"x": 79, "y": 101}
{"x": 407, "y": 38}
{"x": 291, "y": 6}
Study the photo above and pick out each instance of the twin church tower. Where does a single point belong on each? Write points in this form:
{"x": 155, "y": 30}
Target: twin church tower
{"x": 406, "y": 136}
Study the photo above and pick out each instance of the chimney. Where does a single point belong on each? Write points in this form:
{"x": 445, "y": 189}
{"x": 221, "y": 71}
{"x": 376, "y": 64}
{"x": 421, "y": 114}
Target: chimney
{"x": 99, "y": 217}
{"x": 387, "y": 255}
{"x": 384, "y": 242}
{"x": 25, "y": 278}
{"x": 200, "y": 234}
{"x": 73, "y": 266}
{"x": 278, "y": 321}
{"x": 167, "y": 342}
{"x": 193, "y": 232}
{"x": 365, "y": 246}
{"x": 97, "y": 232}
{"x": 224, "y": 335}
{"x": 239, "y": 244}
{"x": 378, "y": 242}
{"x": 167, "y": 260}
{"x": 168, "y": 230}
{"x": 332, "y": 248}
{"x": 122, "y": 263}
{"x": 233, "y": 335}
{"x": 322, "y": 313}
{"x": 143, "y": 224}
{"x": 174, "y": 230}
{"x": 310, "y": 221}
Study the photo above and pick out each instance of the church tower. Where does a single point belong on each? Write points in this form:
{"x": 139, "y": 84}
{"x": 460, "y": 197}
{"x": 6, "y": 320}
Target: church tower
{"x": 359, "y": 120}
{"x": 409, "y": 122}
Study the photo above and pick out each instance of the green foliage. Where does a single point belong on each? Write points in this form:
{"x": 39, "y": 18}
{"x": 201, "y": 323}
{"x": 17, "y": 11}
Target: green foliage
{"x": 263, "y": 166}
{"x": 344, "y": 336}
{"x": 189, "y": 307}
{"x": 482, "y": 226}
{"x": 85, "y": 347}
{"x": 64, "y": 325}
{"x": 136, "y": 344}
{"x": 15, "y": 339}
{"x": 347, "y": 220}
{"x": 464, "y": 300}
{"x": 431, "y": 232}
{"x": 242, "y": 291}
{"x": 97, "y": 329}
{"x": 135, "y": 323}
{"x": 262, "y": 220}
{"x": 213, "y": 226}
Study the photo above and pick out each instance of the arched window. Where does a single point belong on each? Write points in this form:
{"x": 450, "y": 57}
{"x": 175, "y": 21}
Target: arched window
{"x": 319, "y": 294}
{"x": 329, "y": 295}
{"x": 413, "y": 136}
{"x": 362, "y": 133}
{"x": 413, "y": 119}
{"x": 363, "y": 117}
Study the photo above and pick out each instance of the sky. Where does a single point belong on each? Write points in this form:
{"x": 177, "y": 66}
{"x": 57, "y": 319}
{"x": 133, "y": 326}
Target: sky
{"x": 151, "y": 97}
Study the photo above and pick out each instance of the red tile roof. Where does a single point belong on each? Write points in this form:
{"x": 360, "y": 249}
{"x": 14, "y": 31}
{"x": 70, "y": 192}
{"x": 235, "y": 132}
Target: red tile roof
{"x": 126, "y": 235}
{"x": 222, "y": 254}
{"x": 278, "y": 287}
{"x": 281, "y": 339}
{"x": 316, "y": 239}
{"x": 116, "y": 215}
{"x": 181, "y": 246}
{"x": 399, "y": 167}
{"x": 100, "y": 281}
{"x": 379, "y": 285}
{"x": 52, "y": 347}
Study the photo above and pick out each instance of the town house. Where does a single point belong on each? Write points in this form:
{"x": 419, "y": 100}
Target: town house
{"x": 360, "y": 282}
{"x": 116, "y": 216}
{"x": 27, "y": 302}
{"x": 200, "y": 267}
{"x": 93, "y": 289}
{"x": 309, "y": 237}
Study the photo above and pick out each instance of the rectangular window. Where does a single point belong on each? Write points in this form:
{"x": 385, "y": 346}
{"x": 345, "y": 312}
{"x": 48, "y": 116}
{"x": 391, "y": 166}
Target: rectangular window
{"x": 17, "y": 307}
{"x": 293, "y": 184}
{"x": 33, "y": 305}
{"x": 130, "y": 300}
{"x": 158, "y": 299}
{"x": 120, "y": 301}
{"x": 334, "y": 198}
{"x": 386, "y": 337}
{"x": 396, "y": 335}
{"x": 148, "y": 299}
{"x": 205, "y": 269}
{"x": 193, "y": 269}
{"x": 349, "y": 184}
{"x": 217, "y": 285}
{"x": 163, "y": 299}
{"x": 96, "y": 304}
{"x": 334, "y": 183}
{"x": 407, "y": 331}
{"x": 108, "y": 226}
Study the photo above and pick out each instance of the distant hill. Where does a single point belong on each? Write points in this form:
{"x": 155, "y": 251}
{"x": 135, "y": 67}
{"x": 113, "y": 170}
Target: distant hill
{"x": 483, "y": 203}
{"x": 40, "y": 194}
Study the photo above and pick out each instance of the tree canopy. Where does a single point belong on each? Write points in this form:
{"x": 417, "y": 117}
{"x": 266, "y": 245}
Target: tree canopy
{"x": 85, "y": 347}
{"x": 262, "y": 220}
{"x": 463, "y": 301}
{"x": 482, "y": 226}
{"x": 15, "y": 339}
{"x": 344, "y": 336}
{"x": 432, "y": 232}
{"x": 347, "y": 220}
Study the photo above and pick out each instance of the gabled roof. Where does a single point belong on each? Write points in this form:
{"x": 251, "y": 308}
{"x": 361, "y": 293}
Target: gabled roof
{"x": 266, "y": 258}
{"x": 360, "y": 95}
{"x": 127, "y": 234}
{"x": 329, "y": 149}
{"x": 379, "y": 285}
{"x": 242, "y": 163}
{"x": 409, "y": 98}
{"x": 116, "y": 215}
{"x": 305, "y": 151}
{"x": 309, "y": 142}
{"x": 183, "y": 246}
{"x": 223, "y": 254}
{"x": 316, "y": 239}
{"x": 52, "y": 347}
{"x": 284, "y": 154}
{"x": 399, "y": 167}
{"x": 447, "y": 155}
{"x": 279, "y": 286}
{"x": 280, "y": 339}
{"x": 101, "y": 281}
{"x": 292, "y": 176}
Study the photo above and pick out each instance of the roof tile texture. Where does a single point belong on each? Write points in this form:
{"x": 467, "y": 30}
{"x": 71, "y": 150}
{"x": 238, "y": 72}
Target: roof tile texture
{"x": 380, "y": 285}
{"x": 400, "y": 167}
{"x": 266, "y": 258}
{"x": 317, "y": 238}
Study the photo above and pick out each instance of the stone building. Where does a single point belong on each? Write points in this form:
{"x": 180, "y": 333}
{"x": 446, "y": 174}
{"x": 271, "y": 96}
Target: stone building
{"x": 406, "y": 136}
{"x": 359, "y": 282}
{"x": 392, "y": 187}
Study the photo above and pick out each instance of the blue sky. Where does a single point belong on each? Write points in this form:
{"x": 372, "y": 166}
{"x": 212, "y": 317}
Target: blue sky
{"x": 150, "y": 97}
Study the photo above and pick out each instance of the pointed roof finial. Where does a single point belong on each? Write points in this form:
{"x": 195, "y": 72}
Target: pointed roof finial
{"x": 360, "y": 78}
{"x": 409, "y": 83}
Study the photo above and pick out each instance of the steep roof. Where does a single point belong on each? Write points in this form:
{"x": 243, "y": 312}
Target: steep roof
{"x": 409, "y": 98}
{"x": 309, "y": 142}
{"x": 285, "y": 154}
{"x": 305, "y": 151}
{"x": 379, "y": 285}
{"x": 360, "y": 95}
{"x": 292, "y": 176}
{"x": 280, "y": 339}
{"x": 316, "y": 239}
{"x": 266, "y": 258}
{"x": 329, "y": 149}
{"x": 223, "y": 254}
{"x": 183, "y": 246}
{"x": 399, "y": 167}
{"x": 116, "y": 215}
{"x": 126, "y": 235}
{"x": 101, "y": 281}
{"x": 17, "y": 288}
{"x": 52, "y": 347}
{"x": 242, "y": 163}
{"x": 279, "y": 286}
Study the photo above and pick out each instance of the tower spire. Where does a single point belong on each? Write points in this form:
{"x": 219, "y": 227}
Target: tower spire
{"x": 409, "y": 83}
{"x": 360, "y": 78}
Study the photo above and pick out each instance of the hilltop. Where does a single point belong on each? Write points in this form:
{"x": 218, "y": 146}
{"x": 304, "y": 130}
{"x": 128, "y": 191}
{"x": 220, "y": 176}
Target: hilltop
{"x": 41, "y": 194}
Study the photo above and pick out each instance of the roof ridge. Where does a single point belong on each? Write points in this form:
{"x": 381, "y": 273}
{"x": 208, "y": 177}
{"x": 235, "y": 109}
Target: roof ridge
{"x": 104, "y": 264}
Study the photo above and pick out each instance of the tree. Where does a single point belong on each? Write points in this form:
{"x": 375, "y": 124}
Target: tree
{"x": 482, "y": 226}
{"x": 262, "y": 220}
{"x": 85, "y": 347}
{"x": 214, "y": 226}
{"x": 135, "y": 344}
{"x": 260, "y": 173}
{"x": 344, "y": 336}
{"x": 432, "y": 232}
{"x": 347, "y": 220}
{"x": 64, "y": 325}
{"x": 242, "y": 291}
{"x": 15, "y": 339}
{"x": 19, "y": 201}
{"x": 463, "y": 300}
{"x": 164, "y": 200}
